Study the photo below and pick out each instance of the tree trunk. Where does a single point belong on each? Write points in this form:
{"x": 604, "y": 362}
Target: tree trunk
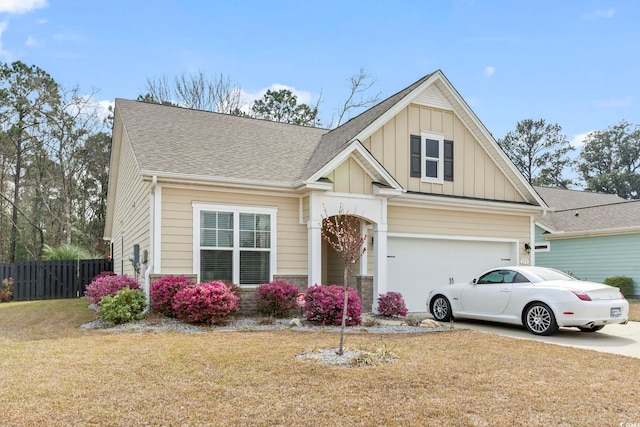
{"x": 15, "y": 207}
{"x": 344, "y": 309}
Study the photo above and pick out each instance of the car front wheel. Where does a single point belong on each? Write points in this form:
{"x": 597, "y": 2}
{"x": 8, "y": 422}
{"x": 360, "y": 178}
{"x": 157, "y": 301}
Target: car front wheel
{"x": 539, "y": 319}
{"x": 441, "y": 309}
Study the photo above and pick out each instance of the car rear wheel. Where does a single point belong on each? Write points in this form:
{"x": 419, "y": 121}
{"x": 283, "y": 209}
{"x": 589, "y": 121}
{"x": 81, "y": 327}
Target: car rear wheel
{"x": 592, "y": 329}
{"x": 539, "y": 319}
{"x": 441, "y": 309}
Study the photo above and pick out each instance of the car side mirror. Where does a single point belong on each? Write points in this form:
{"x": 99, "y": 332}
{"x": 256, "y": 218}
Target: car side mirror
{"x": 474, "y": 281}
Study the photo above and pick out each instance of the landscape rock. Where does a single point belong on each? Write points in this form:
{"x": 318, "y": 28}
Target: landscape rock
{"x": 429, "y": 324}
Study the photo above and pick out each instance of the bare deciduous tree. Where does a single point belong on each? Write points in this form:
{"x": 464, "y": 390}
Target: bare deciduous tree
{"x": 342, "y": 233}
{"x": 358, "y": 85}
{"x": 195, "y": 91}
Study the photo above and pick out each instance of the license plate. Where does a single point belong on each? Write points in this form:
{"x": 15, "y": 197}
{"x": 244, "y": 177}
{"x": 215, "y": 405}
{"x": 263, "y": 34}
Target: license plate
{"x": 616, "y": 312}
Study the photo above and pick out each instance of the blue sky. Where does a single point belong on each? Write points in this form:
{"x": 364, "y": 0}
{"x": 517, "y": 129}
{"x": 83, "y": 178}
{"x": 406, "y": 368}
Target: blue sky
{"x": 575, "y": 63}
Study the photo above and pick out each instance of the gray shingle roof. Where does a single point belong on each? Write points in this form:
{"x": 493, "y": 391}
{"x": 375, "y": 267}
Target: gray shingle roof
{"x": 577, "y": 211}
{"x": 559, "y": 198}
{"x": 173, "y": 140}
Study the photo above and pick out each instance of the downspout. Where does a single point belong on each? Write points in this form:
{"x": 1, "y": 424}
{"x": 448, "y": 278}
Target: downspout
{"x": 150, "y": 257}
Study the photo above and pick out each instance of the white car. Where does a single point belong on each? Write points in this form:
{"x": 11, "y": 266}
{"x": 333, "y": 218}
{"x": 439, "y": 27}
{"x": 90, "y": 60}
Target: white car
{"x": 541, "y": 299}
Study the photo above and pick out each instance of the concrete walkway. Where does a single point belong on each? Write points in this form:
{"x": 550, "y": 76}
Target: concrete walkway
{"x": 615, "y": 339}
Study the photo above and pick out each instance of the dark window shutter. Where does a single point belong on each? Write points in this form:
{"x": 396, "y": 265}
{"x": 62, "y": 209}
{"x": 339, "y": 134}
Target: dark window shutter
{"x": 448, "y": 160}
{"x": 415, "y": 156}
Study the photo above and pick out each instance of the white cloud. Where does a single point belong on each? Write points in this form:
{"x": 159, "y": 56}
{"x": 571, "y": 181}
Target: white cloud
{"x": 103, "y": 108}
{"x": 578, "y": 139}
{"x": 600, "y": 14}
{"x": 488, "y": 71}
{"x": 4, "y": 54}
{"x": 21, "y": 6}
{"x": 616, "y": 102}
{"x": 304, "y": 97}
{"x": 31, "y": 41}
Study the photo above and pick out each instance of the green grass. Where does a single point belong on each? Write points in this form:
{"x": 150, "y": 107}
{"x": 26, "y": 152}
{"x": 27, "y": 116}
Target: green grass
{"x": 53, "y": 373}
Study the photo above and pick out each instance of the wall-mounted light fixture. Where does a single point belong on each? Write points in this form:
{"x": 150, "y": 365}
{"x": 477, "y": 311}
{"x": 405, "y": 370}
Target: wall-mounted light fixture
{"x": 527, "y": 248}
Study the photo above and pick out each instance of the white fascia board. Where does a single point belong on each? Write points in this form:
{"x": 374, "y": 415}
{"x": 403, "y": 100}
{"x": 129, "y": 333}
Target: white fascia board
{"x": 387, "y": 192}
{"x": 355, "y": 146}
{"x": 592, "y": 233}
{"x": 183, "y": 178}
{"x": 546, "y": 228}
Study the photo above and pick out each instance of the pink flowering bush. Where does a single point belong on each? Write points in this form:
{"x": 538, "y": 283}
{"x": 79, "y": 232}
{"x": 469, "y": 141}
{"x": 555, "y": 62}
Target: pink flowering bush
{"x": 276, "y": 298}
{"x": 324, "y": 305}
{"x": 207, "y": 302}
{"x": 108, "y": 284}
{"x": 392, "y": 304}
{"x": 163, "y": 290}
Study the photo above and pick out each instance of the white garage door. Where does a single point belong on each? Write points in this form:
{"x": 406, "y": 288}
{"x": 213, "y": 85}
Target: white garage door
{"x": 417, "y": 265}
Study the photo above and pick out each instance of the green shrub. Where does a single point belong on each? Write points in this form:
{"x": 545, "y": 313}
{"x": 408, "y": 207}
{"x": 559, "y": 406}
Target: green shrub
{"x": 68, "y": 252}
{"x": 624, "y": 283}
{"x": 125, "y": 306}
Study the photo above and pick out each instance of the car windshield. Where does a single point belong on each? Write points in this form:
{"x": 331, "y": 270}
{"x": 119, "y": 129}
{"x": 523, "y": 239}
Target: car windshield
{"x": 548, "y": 274}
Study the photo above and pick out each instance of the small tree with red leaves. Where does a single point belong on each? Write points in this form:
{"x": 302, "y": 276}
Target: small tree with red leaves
{"x": 342, "y": 233}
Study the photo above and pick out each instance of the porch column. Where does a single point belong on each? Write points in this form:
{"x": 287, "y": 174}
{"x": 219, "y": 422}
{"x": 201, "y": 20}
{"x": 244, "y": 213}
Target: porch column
{"x": 363, "y": 259}
{"x": 380, "y": 268}
{"x": 315, "y": 252}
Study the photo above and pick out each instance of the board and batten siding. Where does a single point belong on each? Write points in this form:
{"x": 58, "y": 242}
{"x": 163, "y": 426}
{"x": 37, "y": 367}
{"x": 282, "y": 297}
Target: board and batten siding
{"x": 349, "y": 177}
{"x": 177, "y": 227}
{"x": 475, "y": 173}
{"x": 131, "y": 210}
{"x": 595, "y": 258}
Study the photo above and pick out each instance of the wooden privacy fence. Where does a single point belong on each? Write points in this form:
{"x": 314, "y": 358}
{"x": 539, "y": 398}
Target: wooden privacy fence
{"x": 33, "y": 280}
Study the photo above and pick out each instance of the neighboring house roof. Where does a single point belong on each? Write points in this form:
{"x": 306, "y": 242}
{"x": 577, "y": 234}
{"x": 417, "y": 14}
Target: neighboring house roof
{"x": 216, "y": 146}
{"x": 581, "y": 212}
{"x": 560, "y": 198}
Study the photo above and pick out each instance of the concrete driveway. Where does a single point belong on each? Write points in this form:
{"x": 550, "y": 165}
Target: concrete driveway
{"x": 615, "y": 339}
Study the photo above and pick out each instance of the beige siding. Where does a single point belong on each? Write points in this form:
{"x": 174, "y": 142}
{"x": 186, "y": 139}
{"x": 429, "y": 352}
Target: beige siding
{"x": 177, "y": 227}
{"x": 438, "y": 222}
{"x": 131, "y": 209}
{"x": 349, "y": 177}
{"x": 475, "y": 173}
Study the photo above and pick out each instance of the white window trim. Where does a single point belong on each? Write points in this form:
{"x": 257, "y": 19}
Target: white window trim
{"x": 423, "y": 157}
{"x": 236, "y": 210}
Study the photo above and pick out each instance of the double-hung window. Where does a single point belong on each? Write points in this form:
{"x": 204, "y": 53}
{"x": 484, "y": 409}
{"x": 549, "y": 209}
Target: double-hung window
{"x": 234, "y": 244}
{"x": 431, "y": 157}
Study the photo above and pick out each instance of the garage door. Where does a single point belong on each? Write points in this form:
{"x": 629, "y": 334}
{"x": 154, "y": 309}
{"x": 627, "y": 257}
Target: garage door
{"x": 417, "y": 265}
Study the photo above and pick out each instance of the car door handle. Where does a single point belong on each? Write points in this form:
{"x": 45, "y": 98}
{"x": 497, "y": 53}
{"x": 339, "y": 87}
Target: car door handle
{"x": 505, "y": 290}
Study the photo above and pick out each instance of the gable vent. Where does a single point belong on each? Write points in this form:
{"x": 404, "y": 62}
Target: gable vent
{"x": 432, "y": 97}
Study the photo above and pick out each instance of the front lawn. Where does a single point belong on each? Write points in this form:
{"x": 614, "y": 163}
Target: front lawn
{"x": 53, "y": 373}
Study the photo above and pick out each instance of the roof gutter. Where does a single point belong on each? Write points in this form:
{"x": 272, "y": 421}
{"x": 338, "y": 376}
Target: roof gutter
{"x": 592, "y": 233}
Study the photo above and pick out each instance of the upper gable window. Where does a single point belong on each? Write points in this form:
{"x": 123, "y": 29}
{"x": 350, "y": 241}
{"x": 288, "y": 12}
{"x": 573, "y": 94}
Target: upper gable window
{"x": 431, "y": 158}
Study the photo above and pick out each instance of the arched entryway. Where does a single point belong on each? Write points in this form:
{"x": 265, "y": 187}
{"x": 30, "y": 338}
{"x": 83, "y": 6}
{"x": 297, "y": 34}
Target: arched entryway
{"x": 326, "y": 266}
